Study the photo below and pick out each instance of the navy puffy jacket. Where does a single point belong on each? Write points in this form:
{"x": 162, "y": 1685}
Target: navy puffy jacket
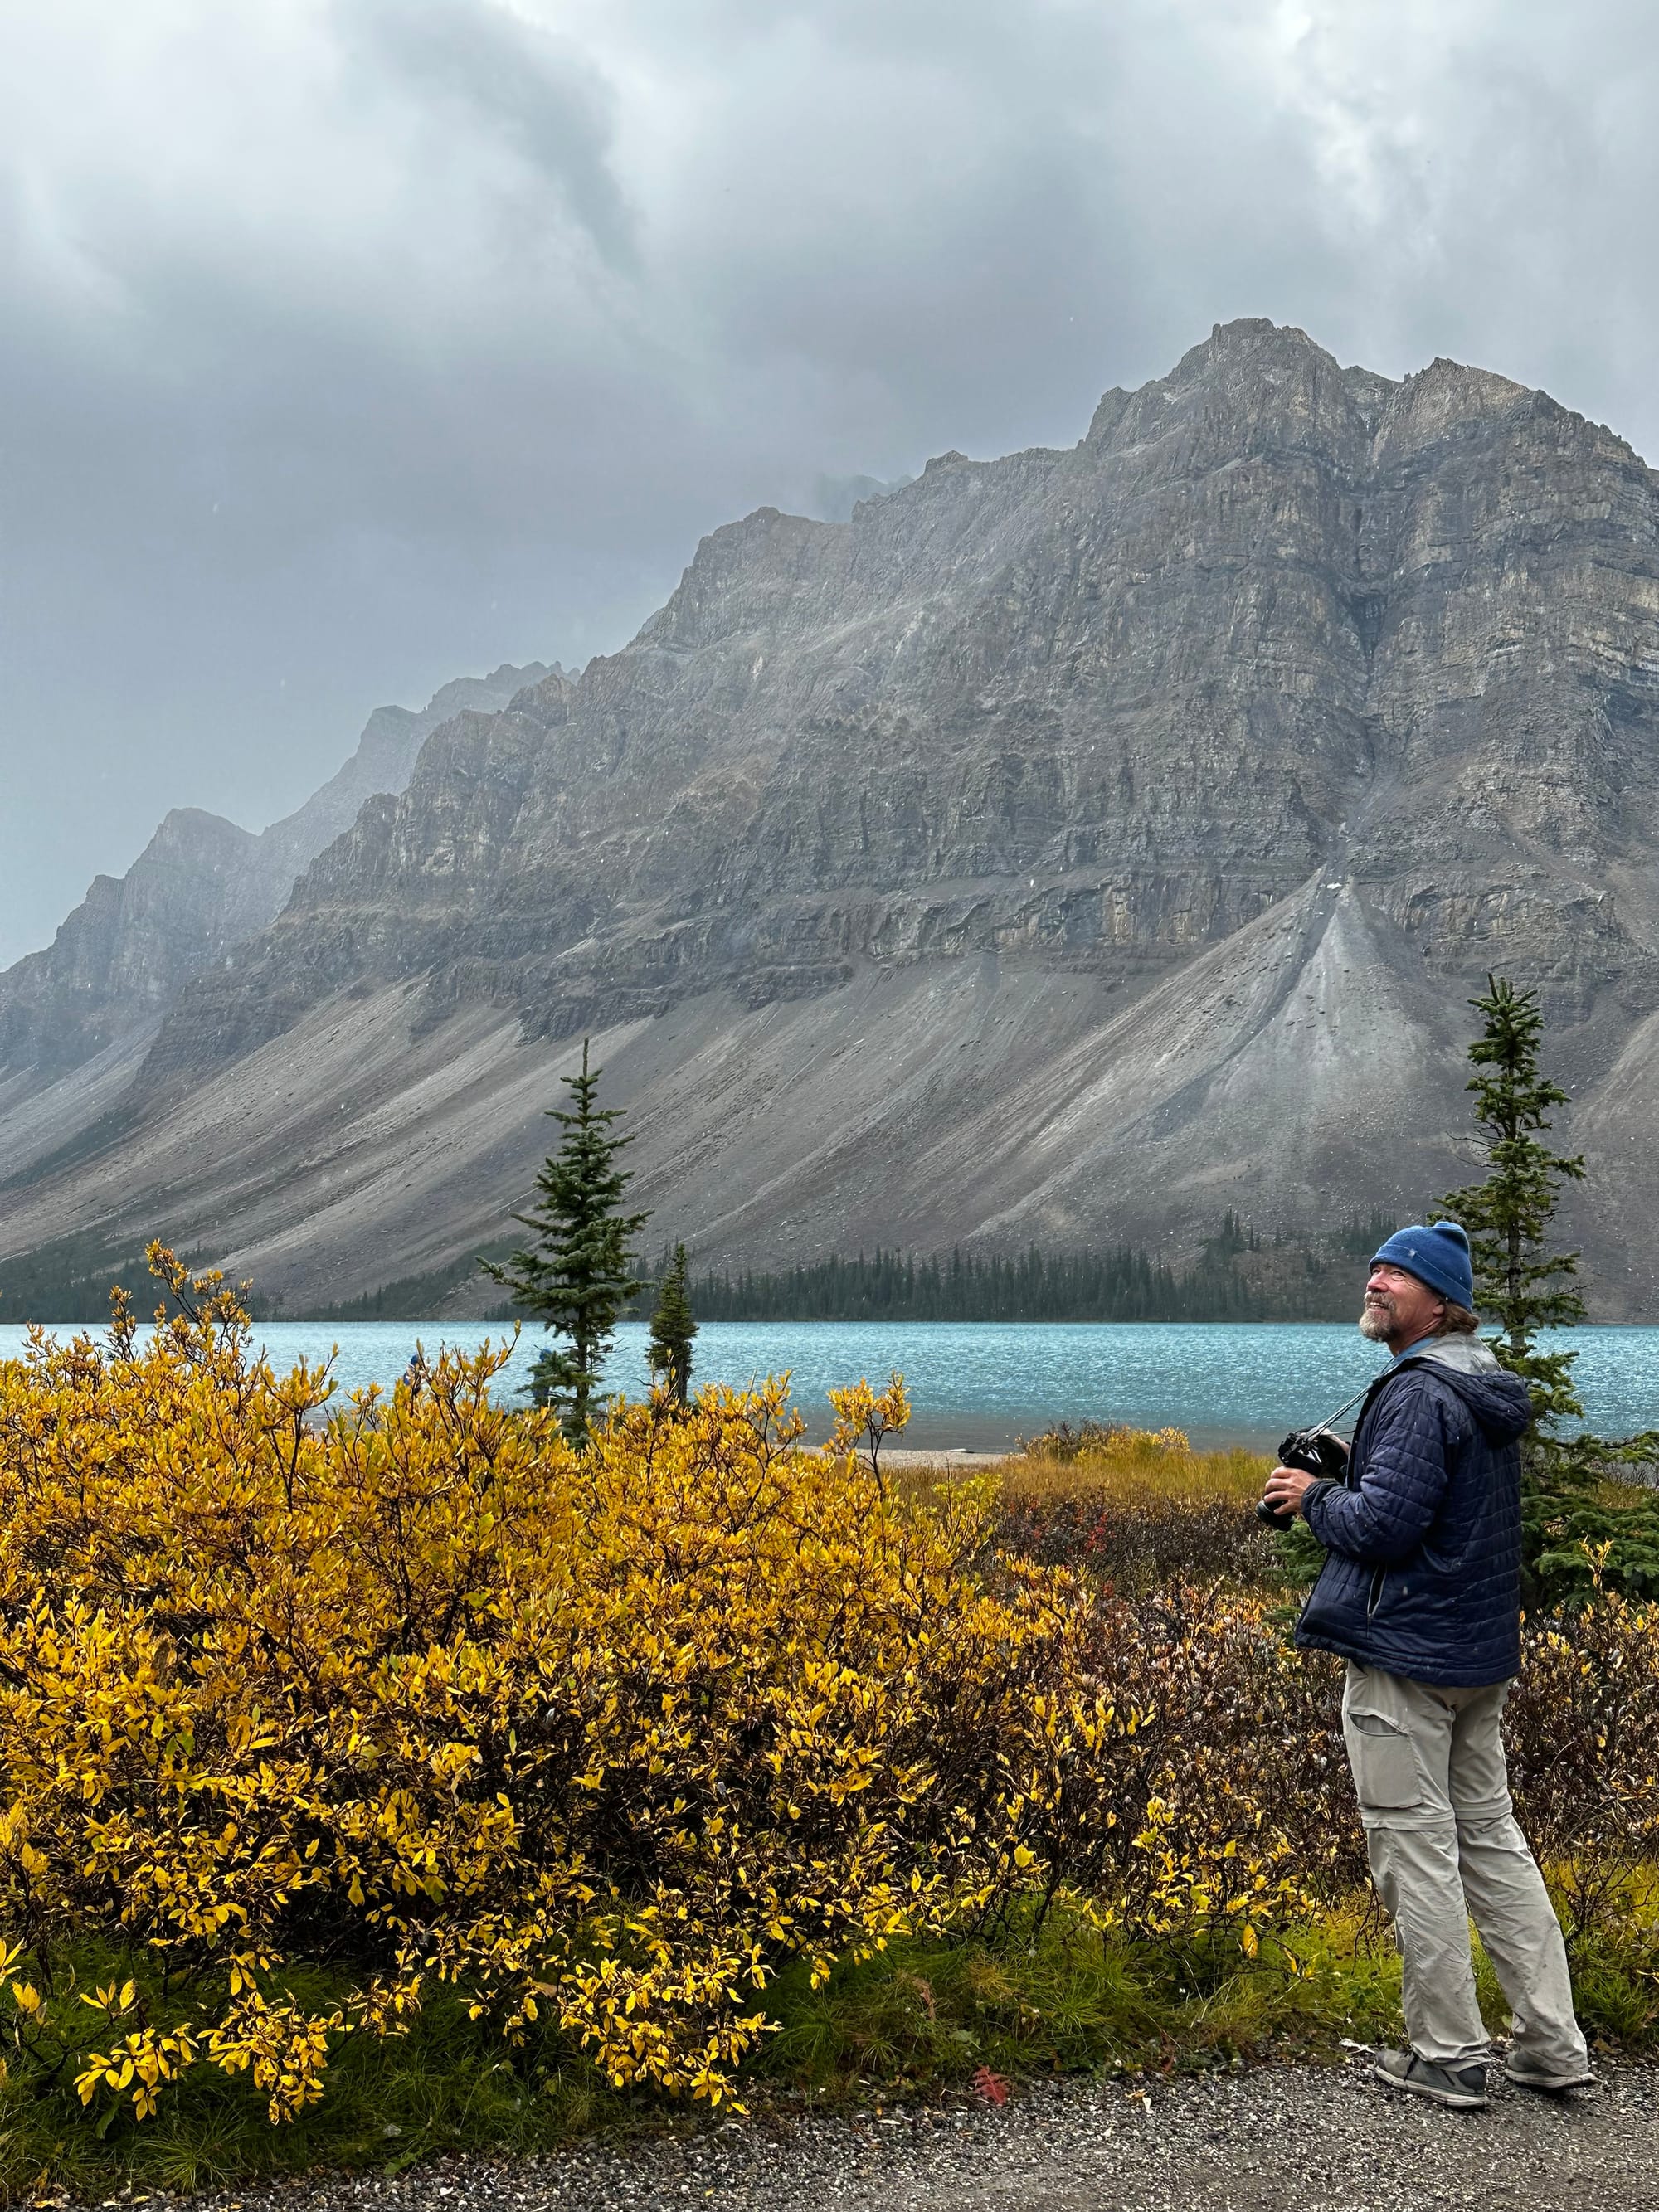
{"x": 1423, "y": 1576}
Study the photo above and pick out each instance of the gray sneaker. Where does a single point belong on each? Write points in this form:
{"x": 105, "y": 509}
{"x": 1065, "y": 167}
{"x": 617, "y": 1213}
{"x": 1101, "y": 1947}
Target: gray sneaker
{"x": 1462, "y": 2088}
{"x": 1571, "y": 2085}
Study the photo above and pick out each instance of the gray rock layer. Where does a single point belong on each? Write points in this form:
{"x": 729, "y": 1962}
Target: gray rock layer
{"x": 1071, "y": 845}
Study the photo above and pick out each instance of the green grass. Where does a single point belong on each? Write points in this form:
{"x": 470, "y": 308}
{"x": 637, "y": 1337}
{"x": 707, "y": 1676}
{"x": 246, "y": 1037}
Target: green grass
{"x": 447, "y": 2085}
{"x": 917, "y": 2022}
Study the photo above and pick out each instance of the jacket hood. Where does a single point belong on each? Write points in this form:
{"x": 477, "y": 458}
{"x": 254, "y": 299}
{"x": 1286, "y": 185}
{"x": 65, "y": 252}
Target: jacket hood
{"x": 1500, "y": 1401}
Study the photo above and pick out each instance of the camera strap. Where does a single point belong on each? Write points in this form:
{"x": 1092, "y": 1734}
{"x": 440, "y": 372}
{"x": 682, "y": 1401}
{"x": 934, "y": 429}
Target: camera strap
{"x": 1328, "y": 1425}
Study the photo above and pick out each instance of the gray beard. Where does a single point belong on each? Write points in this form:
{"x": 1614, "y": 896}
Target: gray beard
{"x": 1375, "y": 1323}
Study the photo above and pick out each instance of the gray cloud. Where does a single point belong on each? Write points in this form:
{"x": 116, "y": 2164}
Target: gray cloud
{"x": 354, "y": 343}
{"x": 514, "y": 80}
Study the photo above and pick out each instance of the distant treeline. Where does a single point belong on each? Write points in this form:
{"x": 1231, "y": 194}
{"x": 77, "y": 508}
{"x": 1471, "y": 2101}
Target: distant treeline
{"x": 71, "y": 1279}
{"x": 1239, "y": 1276}
{"x": 1127, "y": 1284}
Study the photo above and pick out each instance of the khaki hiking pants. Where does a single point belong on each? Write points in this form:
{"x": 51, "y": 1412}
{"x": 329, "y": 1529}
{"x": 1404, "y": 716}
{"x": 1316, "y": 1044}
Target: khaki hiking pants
{"x": 1445, "y": 1848}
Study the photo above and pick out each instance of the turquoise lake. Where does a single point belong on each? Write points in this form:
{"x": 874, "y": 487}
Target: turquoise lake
{"x": 981, "y": 1385}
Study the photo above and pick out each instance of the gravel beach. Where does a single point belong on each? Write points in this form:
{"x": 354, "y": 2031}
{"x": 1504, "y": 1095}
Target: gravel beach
{"x": 1317, "y": 2139}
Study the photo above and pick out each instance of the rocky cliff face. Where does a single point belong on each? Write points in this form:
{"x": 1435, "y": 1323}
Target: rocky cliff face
{"x": 1114, "y": 834}
{"x": 199, "y": 889}
{"x": 384, "y": 760}
{"x": 1106, "y": 704}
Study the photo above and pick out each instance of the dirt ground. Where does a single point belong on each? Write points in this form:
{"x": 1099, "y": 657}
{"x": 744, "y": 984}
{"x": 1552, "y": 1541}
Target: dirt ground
{"x": 1305, "y": 2138}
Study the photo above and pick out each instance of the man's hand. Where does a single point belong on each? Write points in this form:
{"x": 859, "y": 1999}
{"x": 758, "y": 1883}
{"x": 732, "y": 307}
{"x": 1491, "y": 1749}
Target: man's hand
{"x": 1287, "y": 1488}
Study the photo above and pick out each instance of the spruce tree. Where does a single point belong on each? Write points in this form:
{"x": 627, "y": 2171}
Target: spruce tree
{"x": 673, "y": 1328}
{"x": 1518, "y": 1283}
{"x": 576, "y": 1274}
{"x": 1574, "y": 1538}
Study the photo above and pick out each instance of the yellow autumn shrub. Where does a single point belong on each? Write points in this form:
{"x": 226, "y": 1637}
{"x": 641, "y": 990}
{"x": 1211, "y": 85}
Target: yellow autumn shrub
{"x": 604, "y": 1739}
{"x": 407, "y": 1689}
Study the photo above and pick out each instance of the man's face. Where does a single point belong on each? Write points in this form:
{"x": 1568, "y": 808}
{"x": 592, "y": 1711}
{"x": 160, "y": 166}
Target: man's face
{"x": 1397, "y": 1309}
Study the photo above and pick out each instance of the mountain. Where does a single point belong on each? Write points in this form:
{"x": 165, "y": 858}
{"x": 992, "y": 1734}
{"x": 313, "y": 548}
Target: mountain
{"x": 1070, "y": 845}
{"x": 385, "y": 756}
{"x": 199, "y": 889}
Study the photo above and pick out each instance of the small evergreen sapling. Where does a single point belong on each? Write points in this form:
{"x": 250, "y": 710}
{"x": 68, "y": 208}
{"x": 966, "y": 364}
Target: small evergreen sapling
{"x": 575, "y": 1273}
{"x": 672, "y": 1330}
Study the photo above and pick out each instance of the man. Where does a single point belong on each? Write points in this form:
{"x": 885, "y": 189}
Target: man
{"x": 1420, "y": 1593}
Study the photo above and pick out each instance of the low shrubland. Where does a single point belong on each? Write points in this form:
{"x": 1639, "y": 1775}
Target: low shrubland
{"x": 1138, "y": 1508}
{"x": 389, "y": 1774}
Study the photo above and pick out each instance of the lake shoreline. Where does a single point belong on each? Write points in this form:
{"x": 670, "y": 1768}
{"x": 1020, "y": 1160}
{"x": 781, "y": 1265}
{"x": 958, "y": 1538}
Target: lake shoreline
{"x": 983, "y": 1387}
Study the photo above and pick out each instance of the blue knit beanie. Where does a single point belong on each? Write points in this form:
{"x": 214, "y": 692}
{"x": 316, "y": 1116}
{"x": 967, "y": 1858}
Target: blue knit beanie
{"x": 1437, "y": 1254}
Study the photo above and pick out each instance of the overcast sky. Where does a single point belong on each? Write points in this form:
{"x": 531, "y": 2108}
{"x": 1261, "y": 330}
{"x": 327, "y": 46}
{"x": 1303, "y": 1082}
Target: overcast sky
{"x": 349, "y": 345}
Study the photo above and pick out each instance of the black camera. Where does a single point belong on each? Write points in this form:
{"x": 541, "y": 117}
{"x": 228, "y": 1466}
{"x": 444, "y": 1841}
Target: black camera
{"x": 1315, "y": 1451}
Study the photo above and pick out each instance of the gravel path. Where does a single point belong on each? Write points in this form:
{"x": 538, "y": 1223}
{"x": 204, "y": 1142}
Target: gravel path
{"x": 1309, "y": 2139}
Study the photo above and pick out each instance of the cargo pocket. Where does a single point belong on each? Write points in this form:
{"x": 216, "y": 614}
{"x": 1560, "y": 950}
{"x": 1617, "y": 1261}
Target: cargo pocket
{"x": 1384, "y": 1765}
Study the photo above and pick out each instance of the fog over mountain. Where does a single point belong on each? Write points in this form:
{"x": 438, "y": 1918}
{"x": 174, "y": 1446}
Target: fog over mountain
{"x": 350, "y": 343}
{"x": 1071, "y": 846}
